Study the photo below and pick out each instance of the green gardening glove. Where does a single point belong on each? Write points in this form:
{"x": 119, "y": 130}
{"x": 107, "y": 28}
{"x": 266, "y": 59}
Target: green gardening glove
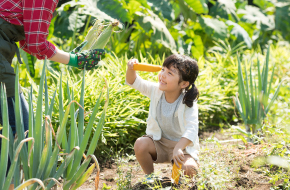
{"x": 86, "y": 59}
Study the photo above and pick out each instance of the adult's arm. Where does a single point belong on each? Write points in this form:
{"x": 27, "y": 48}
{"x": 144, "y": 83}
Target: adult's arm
{"x": 60, "y": 56}
{"x": 37, "y": 15}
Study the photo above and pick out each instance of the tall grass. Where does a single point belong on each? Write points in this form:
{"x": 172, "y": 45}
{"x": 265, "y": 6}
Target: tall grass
{"x": 74, "y": 142}
{"x": 253, "y": 99}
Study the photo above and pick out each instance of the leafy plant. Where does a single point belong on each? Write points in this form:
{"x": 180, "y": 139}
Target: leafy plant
{"x": 39, "y": 157}
{"x": 253, "y": 99}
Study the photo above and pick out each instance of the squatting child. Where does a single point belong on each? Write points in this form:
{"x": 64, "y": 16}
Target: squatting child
{"x": 172, "y": 123}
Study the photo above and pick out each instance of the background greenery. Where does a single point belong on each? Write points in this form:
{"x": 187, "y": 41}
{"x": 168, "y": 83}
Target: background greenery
{"x": 213, "y": 32}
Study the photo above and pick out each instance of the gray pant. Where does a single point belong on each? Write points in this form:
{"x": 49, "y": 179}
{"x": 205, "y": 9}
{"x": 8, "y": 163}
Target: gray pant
{"x": 9, "y": 34}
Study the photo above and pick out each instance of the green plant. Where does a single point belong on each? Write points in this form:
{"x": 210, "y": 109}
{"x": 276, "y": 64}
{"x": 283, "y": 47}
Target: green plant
{"x": 13, "y": 154}
{"x": 40, "y": 156}
{"x": 253, "y": 99}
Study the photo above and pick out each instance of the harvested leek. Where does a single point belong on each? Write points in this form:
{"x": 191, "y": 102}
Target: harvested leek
{"x": 146, "y": 67}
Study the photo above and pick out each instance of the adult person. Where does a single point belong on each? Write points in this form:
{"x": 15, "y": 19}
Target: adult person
{"x": 27, "y": 22}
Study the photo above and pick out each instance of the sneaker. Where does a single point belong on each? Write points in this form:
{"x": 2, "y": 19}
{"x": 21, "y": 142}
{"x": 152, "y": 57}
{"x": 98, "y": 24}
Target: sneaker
{"x": 182, "y": 180}
{"x": 150, "y": 178}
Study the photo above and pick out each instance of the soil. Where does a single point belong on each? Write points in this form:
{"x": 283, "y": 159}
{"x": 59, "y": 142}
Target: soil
{"x": 127, "y": 174}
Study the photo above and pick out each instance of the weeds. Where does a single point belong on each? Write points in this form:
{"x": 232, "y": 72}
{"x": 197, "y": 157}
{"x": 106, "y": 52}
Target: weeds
{"x": 125, "y": 171}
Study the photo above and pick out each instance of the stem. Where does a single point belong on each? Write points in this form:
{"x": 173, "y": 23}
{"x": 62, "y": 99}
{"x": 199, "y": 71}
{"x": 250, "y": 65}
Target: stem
{"x": 248, "y": 130}
{"x": 87, "y": 25}
{"x": 74, "y": 34}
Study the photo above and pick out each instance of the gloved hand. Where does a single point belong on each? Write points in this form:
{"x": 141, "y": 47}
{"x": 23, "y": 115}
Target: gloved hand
{"x": 87, "y": 59}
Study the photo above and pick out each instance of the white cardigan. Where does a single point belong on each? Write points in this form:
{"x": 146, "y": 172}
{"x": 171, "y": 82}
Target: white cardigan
{"x": 187, "y": 117}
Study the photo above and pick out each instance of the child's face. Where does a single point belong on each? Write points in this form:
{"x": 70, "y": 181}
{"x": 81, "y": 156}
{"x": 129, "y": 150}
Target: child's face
{"x": 168, "y": 80}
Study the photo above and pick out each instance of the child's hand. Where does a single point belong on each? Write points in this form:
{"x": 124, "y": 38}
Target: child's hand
{"x": 178, "y": 156}
{"x": 131, "y": 62}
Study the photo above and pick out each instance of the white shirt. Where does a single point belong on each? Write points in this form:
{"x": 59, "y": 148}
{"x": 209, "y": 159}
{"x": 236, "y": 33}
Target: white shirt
{"x": 167, "y": 119}
{"x": 187, "y": 117}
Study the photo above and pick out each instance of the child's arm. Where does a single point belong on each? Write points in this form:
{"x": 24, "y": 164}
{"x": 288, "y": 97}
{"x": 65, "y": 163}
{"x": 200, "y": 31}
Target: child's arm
{"x": 190, "y": 135}
{"x": 178, "y": 155}
{"x": 131, "y": 74}
{"x": 136, "y": 82}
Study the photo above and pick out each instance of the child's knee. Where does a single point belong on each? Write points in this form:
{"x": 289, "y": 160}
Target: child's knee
{"x": 190, "y": 167}
{"x": 190, "y": 170}
{"x": 141, "y": 145}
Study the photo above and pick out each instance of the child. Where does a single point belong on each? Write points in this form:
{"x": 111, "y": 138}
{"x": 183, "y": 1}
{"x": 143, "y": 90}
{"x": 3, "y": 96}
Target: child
{"x": 172, "y": 124}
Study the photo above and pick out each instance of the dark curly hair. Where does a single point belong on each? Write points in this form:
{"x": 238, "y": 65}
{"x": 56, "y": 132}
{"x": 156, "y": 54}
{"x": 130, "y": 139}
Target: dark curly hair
{"x": 188, "y": 71}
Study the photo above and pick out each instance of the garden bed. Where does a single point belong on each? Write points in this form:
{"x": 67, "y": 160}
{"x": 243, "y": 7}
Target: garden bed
{"x": 223, "y": 166}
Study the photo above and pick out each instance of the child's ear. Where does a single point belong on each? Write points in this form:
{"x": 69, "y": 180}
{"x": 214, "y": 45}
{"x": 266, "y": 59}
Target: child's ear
{"x": 184, "y": 84}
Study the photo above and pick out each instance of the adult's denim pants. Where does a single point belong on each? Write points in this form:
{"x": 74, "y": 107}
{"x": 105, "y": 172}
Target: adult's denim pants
{"x": 11, "y": 114}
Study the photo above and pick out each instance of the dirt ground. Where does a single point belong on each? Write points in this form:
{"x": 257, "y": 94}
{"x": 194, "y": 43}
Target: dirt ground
{"x": 123, "y": 173}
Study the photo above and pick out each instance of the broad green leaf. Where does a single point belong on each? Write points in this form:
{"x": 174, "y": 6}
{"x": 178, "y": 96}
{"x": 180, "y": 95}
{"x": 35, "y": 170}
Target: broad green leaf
{"x": 164, "y": 7}
{"x": 160, "y": 33}
{"x": 67, "y": 21}
{"x": 184, "y": 48}
{"x": 115, "y": 9}
{"x": 198, "y": 6}
{"x": 253, "y": 15}
{"x": 90, "y": 7}
{"x": 225, "y": 9}
{"x": 264, "y": 4}
{"x": 198, "y": 44}
{"x": 214, "y": 27}
{"x": 186, "y": 11}
{"x": 282, "y": 17}
{"x": 240, "y": 33}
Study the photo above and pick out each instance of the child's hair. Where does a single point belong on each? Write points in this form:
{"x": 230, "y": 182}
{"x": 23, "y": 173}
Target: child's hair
{"x": 188, "y": 71}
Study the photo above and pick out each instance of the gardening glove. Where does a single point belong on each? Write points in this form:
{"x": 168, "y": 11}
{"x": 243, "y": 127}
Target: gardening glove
{"x": 86, "y": 59}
